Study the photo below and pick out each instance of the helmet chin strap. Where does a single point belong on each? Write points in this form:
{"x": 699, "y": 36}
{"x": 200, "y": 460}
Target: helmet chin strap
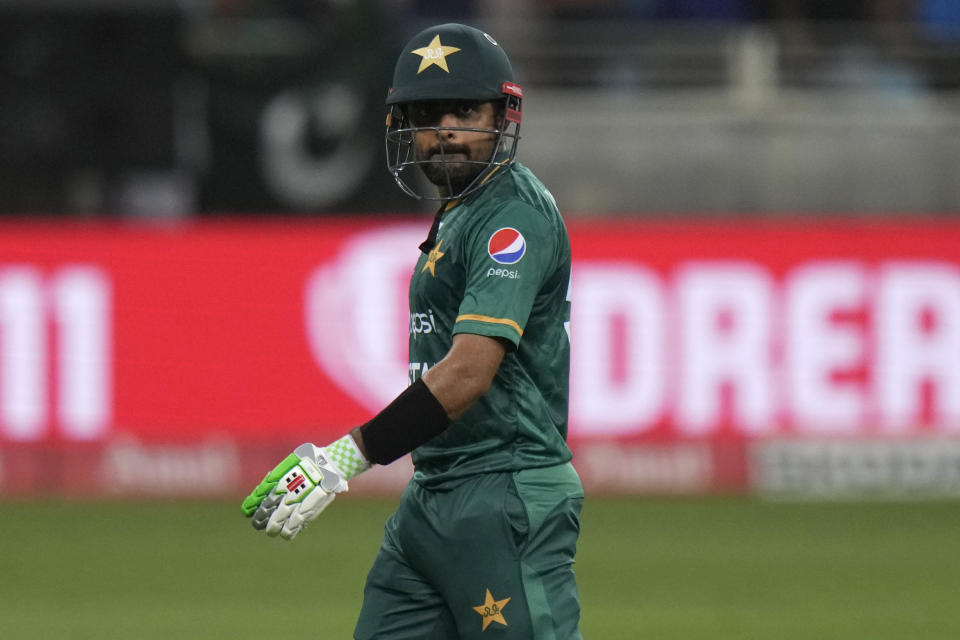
{"x": 427, "y": 245}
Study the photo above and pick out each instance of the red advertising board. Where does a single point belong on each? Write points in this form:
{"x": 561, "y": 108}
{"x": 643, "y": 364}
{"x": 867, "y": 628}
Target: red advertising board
{"x": 191, "y": 355}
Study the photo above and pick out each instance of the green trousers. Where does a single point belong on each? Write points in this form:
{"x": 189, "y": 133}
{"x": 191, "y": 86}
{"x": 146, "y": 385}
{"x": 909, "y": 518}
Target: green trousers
{"x": 489, "y": 557}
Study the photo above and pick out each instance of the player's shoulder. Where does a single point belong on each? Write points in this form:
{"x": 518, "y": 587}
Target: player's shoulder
{"x": 516, "y": 213}
{"x": 519, "y": 194}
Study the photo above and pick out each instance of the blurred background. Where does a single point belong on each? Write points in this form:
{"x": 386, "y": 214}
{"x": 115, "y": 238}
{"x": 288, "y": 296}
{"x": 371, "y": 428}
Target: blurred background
{"x": 189, "y": 108}
{"x": 203, "y": 263}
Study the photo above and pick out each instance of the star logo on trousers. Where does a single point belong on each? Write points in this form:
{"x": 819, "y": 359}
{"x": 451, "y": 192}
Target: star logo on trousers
{"x": 492, "y": 610}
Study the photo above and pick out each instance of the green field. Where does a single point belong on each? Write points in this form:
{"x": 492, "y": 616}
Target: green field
{"x": 655, "y": 568}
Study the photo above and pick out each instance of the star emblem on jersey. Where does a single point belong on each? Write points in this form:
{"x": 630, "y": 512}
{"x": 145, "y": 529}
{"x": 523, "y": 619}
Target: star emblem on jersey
{"x": 492, "y": 610}
{"x": 435, "y": 254}
{"x": 434, "y": 53}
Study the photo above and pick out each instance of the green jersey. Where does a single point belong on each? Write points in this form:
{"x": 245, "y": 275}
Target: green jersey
{"x": 500, "y": 268}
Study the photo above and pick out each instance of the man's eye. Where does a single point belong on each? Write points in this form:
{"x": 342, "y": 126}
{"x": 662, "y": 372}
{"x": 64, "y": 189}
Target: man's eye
{"x": 465, "y": 110}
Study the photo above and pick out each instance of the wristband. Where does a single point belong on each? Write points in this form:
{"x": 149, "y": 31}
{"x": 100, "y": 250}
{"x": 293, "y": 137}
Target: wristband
{"x": 413, "y": 418}
{"x": 346, "y": 457}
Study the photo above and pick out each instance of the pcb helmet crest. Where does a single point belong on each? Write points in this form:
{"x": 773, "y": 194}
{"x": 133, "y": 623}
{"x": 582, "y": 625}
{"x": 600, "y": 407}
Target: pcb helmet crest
{"x": 450, "y": 62}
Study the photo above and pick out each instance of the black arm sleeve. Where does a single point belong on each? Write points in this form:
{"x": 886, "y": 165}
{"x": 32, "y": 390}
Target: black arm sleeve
{"x": 413, "y": 418}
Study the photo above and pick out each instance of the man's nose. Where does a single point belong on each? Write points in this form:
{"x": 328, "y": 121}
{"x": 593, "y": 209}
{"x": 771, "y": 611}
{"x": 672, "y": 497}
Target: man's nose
{"x": 448, "y": 120}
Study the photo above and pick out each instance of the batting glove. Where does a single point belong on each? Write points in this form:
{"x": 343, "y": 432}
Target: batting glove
{"x": 295, "y": 492}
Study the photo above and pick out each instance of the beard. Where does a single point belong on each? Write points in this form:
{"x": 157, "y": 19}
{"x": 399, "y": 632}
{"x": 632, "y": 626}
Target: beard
{"x": 452, "y": 166}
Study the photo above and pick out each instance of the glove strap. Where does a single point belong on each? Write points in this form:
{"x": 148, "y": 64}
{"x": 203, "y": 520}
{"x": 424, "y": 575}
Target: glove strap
{"x": 345, "y": 454}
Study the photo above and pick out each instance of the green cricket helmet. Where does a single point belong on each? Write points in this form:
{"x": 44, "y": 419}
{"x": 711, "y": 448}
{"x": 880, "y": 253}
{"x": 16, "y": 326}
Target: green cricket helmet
{"x": 450, "y": 63}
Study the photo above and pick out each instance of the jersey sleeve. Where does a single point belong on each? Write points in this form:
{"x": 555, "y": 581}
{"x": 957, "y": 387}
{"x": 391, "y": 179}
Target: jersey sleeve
{"x": 507, "y": 258}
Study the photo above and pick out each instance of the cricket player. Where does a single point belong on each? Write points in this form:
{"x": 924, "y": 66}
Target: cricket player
{"x": 483, "y": 541}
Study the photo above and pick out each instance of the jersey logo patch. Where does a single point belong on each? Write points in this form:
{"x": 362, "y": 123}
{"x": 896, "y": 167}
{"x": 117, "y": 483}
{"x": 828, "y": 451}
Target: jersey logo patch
{"x": 507, "y": 246}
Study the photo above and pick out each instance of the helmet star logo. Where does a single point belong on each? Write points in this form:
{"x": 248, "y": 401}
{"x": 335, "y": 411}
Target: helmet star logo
{"x": 434, "y": 53}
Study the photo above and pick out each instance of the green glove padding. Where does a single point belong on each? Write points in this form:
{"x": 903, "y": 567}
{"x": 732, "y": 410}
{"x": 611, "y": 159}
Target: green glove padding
{"x": 252, "y": 501}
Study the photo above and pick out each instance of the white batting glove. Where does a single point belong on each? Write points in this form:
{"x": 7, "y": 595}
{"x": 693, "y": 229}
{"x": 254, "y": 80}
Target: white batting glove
{"x": 295, "y": 492}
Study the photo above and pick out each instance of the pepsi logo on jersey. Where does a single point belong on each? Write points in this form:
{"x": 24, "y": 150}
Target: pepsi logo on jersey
{"x": 506, "y": 246}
